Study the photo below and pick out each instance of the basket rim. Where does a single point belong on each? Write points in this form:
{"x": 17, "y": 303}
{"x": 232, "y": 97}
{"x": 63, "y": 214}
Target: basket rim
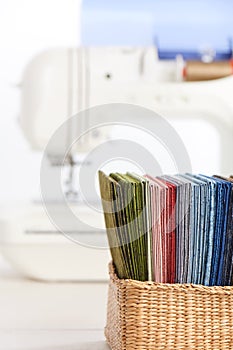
{"x": 189, "y": 287}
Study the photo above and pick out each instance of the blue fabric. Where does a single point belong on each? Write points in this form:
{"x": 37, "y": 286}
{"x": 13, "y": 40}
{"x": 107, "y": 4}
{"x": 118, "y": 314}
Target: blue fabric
{"x": 209, "y": 229}
{"x": 201, "y": 206}
{"x": 223, "y": 204}
{"x": 217, "y": 233}
{"x": 204, "y": 229}
{"x": 228, "y": 261}
{"x": 221, "y": 279}
{"x": 186, "y": 239}
{"x": 192, "y": 233}
{"x": 223, "y": 190}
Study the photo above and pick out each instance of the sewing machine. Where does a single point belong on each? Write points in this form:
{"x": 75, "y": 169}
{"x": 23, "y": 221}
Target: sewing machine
{"x": 119, "y": 62}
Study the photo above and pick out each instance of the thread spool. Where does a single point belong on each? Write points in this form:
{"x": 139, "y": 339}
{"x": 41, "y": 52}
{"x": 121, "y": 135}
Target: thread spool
{"x": 200, "y": 71}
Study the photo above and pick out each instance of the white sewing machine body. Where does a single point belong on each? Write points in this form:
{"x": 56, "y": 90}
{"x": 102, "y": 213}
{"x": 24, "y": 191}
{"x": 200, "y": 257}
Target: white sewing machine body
{"x": 38, "y": 250}
{"x": 81, "y": 78}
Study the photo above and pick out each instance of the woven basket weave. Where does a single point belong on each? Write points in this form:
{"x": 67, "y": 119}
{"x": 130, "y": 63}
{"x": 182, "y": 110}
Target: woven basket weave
{"x": 152, "y": 316}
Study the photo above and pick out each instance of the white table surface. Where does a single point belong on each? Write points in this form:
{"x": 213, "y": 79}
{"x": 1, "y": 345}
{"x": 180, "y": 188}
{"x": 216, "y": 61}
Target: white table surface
{"x": 50, "y": 316}
{"x": 52, "y": 340}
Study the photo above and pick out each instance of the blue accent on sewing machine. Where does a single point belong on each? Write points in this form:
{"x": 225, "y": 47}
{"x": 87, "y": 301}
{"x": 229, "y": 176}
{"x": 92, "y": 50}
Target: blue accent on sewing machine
{"x": 174, "y": 26}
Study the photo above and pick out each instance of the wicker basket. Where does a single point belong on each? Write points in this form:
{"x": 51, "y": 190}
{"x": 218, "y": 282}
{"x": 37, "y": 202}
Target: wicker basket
{"x": 148, "y": 315}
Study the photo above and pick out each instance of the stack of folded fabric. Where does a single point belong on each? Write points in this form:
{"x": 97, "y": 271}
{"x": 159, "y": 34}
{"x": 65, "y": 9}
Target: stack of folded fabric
{"x": 170, "y": 229}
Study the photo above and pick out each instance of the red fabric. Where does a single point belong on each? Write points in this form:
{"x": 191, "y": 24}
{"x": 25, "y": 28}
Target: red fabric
{"x": 163, "y": 216}
{"x": 170, "y": 234}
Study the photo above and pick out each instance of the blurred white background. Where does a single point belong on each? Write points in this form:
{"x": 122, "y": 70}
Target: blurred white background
{"x": 27, "y": 27}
